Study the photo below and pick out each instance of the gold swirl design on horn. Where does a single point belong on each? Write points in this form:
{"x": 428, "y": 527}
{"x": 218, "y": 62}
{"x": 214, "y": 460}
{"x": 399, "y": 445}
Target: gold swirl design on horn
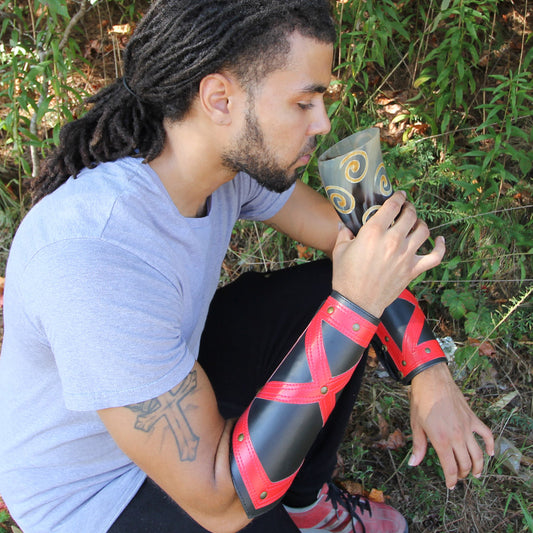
{"x": 385, "y": 186}
{"x": 369, "y": 212}
{"x": 356, "y": 163}
{"x": 342, "y": 200}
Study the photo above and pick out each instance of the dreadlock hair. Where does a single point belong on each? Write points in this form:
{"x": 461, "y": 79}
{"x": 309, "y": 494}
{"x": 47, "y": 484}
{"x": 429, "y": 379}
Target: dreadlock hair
{"x": 176, "y": 44}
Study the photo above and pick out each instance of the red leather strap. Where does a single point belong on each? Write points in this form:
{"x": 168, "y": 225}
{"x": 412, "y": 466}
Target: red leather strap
{"x": 347, "y": 321}
{"x": 412, "y": 353}
{"x": 322, "y": 389}
{"x": 261, "y": 490}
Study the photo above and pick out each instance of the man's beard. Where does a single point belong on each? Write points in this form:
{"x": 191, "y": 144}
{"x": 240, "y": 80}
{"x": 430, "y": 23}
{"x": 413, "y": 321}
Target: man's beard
{"x": 251, "y": 155}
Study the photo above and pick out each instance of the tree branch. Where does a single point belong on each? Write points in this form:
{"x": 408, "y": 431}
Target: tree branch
{"x": 43, "y": 55}
{"x": 73, "y": 21}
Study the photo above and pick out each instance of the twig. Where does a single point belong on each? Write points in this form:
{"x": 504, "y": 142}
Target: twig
{"x": 437, "y": 135}
{"x": 395, "y": 472}
{"x": 526, "y": 280}
{"x": 4, "y": 15}
{"x": 481, "y": 215}
{"x": 35, "y": 164}
{"x": 510, "y": 311}
{"x": 263, "y": 259}
{"x": 73, "y": 21}
{"x": 523, "y": 38}
{"x": 32, "y": 20}
{"x": 43, "y": 56}
{"x": 386, "y": 78}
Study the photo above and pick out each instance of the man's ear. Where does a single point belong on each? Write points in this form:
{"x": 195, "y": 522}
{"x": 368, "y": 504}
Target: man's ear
{"x": 217, "y": 97}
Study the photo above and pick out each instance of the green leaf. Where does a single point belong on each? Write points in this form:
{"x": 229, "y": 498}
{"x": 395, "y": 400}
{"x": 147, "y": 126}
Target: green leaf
{"x": 400, "y": 117}
{"x": 333, "y": 107}
{"x": 43, "y": 109}
{"x": 458, "y": 303}
{"x": 452, "y": 263}
{"x": 55, "y": 134}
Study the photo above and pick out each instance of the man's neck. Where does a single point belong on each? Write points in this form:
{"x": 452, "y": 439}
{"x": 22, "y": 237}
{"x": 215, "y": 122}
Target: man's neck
{"x": 190, "y": 168}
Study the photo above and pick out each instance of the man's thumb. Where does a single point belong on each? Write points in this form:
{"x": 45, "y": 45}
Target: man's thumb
{"x": 344, "y": 234}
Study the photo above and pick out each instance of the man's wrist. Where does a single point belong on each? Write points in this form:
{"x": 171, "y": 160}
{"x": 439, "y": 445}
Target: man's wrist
{"x": 436, "y": 370}
{"x": 363, "y": 311}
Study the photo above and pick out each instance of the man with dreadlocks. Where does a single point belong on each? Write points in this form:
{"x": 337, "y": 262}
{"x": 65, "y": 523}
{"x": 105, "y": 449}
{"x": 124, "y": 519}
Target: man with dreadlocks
{"x": 135, "y": 396}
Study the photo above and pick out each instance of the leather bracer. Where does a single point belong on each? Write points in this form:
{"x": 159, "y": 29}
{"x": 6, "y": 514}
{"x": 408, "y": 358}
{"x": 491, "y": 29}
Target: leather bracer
{"x": 272, "y": 437}
{"x": 407, "y": 345}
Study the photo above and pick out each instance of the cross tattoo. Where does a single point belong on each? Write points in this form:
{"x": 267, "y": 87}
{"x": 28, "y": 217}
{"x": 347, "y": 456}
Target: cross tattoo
{"x": 167, "y": 406}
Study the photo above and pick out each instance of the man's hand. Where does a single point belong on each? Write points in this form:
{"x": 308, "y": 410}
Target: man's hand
{"x": 439, "y": 411}
{"x": 374, "y": 267}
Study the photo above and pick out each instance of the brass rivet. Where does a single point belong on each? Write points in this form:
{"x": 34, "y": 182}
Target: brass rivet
{"x": 324, "y": 390}
{"x": 240, "y": 438}
{"x": 330, "y": 310}
{"x": 263, "y": 495}
{"x": 387, "y": 339}
{"x": 356, "y": 327}
{"x": 404, "y": 363}
{"x": 427, "y": 350}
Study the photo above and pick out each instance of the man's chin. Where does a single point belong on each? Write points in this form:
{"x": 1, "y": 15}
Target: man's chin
{"x": 277, "y": 184}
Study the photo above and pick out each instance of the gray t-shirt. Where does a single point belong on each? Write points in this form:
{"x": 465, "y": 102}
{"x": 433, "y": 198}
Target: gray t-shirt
{"x": 107, "y": 291}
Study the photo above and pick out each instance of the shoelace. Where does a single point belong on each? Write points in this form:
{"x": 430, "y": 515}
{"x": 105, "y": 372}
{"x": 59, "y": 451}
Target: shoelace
{"x": 351, "y": 502}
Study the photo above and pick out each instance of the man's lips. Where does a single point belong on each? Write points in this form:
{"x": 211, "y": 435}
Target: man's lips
{"x": 307, "y": 152}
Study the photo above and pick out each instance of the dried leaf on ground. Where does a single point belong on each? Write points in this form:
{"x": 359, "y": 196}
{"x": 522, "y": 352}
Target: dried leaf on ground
{"x": 92, "y": 46}
{"x": 504, "y": 401}
{"x": 395, "y": 441}
{"x": 508, "y": 453}
{"x": 121, "y": 29}
{"x": 304, "y": 252}
{"x": 372, "y": 361}
{"x": 373, "y": 495}
{"x": 352, "y": 487}
{"x": 377, "y": 496}
{"x": 484, "y": 347}
{"x": 384, "y": 430}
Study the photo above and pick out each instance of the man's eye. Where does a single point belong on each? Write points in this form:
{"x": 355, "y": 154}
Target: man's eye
{"x": 305, "y": 106}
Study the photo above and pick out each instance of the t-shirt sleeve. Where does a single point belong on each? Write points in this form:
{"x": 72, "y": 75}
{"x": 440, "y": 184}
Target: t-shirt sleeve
{"x": 112, "y": 322}
{"x": 257, "y": 202}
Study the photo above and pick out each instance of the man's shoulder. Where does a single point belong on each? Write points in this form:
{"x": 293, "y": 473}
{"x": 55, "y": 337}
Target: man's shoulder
{"x": 82, "y": 207}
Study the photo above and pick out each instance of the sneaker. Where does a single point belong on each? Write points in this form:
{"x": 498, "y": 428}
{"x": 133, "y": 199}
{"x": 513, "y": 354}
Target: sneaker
{"x": 341, "y": 512}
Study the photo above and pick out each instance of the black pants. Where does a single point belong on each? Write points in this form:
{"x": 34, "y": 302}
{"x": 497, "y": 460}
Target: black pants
{"x": 251, "y": 326}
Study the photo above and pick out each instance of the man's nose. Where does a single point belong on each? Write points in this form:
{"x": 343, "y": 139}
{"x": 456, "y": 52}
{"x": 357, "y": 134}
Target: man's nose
{"x": 321, "y": 125}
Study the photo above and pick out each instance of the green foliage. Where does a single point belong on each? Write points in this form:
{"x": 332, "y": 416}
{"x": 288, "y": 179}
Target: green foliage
{"x": 38, "y": 55}
{"x": 471, "y": 181}
{"x": 367, "y": 31}
{"x": 528, "y": 517}
{"x": 450, "y": 49}
{"x": 510, "y": 102}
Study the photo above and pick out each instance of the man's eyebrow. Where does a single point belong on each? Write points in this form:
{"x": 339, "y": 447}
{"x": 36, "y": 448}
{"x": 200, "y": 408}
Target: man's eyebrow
{"x": 314, "y": 88}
